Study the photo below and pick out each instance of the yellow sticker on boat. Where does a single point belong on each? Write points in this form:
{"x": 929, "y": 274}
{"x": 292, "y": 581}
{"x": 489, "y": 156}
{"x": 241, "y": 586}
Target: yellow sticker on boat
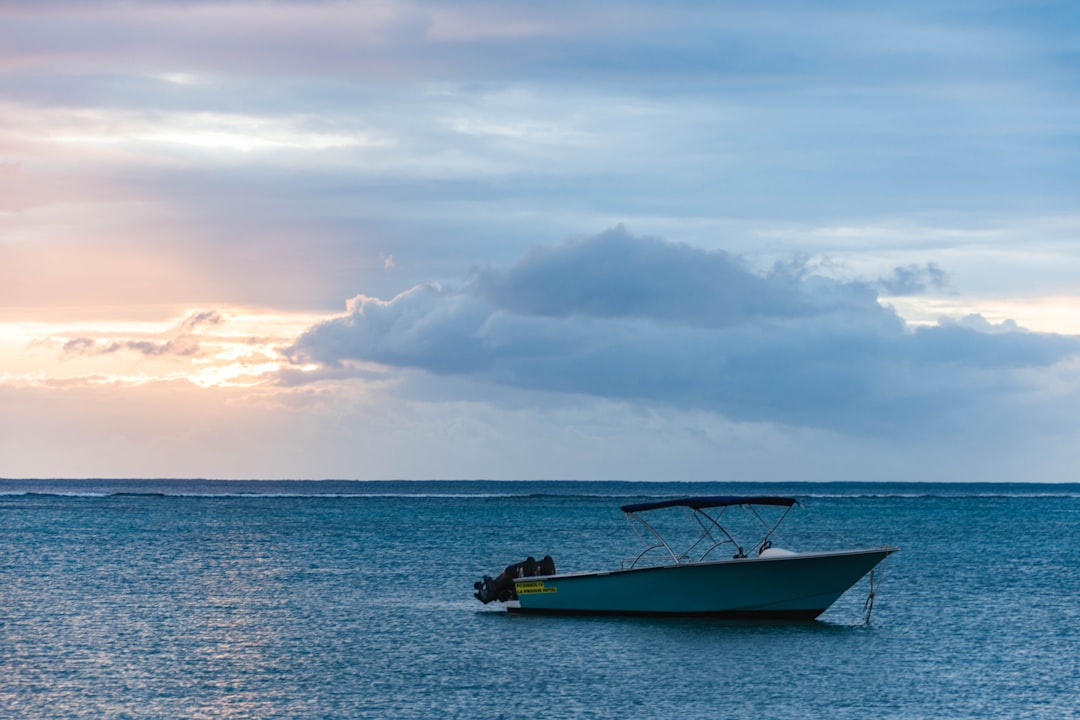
{"x": 532, "y": 587}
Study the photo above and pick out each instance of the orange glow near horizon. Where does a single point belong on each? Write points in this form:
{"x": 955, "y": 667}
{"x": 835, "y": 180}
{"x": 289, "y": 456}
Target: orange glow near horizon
{"x": 242, "y": 347}
{"x": 237, "y": 347}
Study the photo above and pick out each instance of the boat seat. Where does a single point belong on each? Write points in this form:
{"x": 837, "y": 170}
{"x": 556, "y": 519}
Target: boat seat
{"x": 775, "y": 552}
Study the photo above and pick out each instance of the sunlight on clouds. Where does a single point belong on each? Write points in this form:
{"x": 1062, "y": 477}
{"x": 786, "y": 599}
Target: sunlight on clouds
{"x": 208, "y": 131}
{"x": 872, "y": 249}
{"x": 1047, "y": 314}
{"x": 888, "y": 233}
{"x": 180, "y": 78}
{"x": 204, "y": 348}
{"x": 519, "y": 130}
{"x": 139, "y": 379}
{"x": 1021, "y": 269}
{"x": 254, "y": 140}
{"x": 236, "y": 374}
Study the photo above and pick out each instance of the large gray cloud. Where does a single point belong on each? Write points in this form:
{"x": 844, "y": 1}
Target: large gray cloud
{"x": 643, "y": 320}
{"x": 615, "y": 274}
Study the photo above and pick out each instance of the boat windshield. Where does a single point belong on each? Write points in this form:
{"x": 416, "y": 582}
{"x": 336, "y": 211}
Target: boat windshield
{"x": 707, "y": 513}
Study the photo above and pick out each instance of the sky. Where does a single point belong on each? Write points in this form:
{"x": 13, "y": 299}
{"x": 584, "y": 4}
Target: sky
{"x": 609, "y": 240}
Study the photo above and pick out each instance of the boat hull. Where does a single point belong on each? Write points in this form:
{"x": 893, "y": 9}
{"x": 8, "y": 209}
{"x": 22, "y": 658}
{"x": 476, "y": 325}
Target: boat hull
{"x": 793, "y": 587}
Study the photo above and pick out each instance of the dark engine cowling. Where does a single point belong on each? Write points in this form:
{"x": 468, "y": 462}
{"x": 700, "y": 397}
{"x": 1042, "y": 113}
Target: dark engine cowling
{"x": 501, "y": 588}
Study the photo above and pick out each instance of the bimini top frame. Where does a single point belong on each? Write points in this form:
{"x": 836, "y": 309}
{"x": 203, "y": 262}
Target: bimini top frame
{"x": 707, "y": 521}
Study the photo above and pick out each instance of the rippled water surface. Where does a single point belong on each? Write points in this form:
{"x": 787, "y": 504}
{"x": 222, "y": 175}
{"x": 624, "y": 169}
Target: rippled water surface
{"x": 152, "y": 599}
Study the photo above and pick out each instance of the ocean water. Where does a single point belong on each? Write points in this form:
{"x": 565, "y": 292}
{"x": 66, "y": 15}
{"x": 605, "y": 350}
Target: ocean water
{"x": 204, "y": 599}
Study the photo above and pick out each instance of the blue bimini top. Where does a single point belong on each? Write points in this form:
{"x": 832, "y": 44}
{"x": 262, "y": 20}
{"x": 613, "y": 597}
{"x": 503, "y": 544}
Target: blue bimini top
{"x": 697, "y": 503}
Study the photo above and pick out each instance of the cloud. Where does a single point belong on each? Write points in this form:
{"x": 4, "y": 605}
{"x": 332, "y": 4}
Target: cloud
{"x": 615, "y": 274}
{"x": 914, "y": 279}
{"x": 200, "y": 319}
{"x": 643, "y": 320}
{"x": 184, "y": 340}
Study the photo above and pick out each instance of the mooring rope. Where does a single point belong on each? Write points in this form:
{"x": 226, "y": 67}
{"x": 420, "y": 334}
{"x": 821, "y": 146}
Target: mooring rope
{"x": 868, "y": 606}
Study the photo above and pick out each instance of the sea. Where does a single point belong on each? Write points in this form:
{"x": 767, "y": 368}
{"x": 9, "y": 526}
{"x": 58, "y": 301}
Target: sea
{"x": 337, "y": 599}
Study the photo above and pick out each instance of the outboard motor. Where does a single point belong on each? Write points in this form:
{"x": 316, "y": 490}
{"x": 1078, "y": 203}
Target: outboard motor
{"x": 501, "y": 588}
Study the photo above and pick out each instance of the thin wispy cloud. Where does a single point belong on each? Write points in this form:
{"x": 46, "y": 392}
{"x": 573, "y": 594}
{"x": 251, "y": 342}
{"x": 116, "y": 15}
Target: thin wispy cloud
{"x": 184, "y": 340}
